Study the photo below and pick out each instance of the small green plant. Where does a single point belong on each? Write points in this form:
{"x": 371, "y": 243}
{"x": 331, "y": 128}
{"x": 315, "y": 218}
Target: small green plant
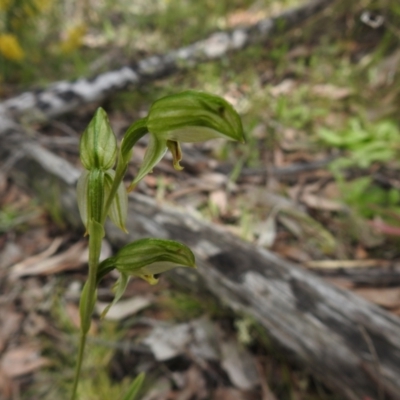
{"x": 185, "y": 117}
{"x": 366, "y": 145}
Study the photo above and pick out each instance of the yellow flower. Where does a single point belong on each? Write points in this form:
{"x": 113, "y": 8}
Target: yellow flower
{"x": 43, "y": 5}
{"x": 10, "y": 48}
{"x": 73, "y": 39}
{"x": 5, "y": 5}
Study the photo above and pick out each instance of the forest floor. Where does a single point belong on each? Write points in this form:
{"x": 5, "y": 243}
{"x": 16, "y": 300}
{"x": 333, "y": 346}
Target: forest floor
{"x": 320, "y": 109}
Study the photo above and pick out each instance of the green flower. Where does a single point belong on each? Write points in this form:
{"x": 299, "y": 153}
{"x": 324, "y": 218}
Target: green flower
{"x": 189, "y": 116}
{"x": 146, "y": 259}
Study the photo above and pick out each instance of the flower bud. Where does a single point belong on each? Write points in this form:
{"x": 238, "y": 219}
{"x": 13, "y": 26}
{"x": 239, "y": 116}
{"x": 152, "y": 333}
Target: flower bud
{"x": 98, "y": 145}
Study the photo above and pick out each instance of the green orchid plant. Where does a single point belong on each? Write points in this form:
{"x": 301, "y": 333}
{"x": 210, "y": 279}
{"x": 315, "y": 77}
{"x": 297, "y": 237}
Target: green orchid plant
{"x": 190, "y": 116}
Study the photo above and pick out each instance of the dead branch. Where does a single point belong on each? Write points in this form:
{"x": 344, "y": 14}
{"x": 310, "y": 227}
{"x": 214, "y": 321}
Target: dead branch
{"x": 62, "y": 97}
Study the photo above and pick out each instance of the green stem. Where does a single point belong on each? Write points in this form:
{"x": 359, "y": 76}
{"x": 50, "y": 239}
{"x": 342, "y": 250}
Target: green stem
{"x": 78, "y": 367}
{"x": 96, "y": 233}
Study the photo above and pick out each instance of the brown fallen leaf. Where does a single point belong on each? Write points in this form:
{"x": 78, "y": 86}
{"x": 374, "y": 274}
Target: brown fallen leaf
{"x": 18, "y": 269}
{"x": 295, "y": 253}
{"x": 340, "y": 282}
{"x": 340, "y": 264}
{"x": 159, "y": 390}
{"x": 73, "y": 313}
{"x": 228, "y": 393}
{"x": 22, "y": 360}
{"x": 386, "y": 297}
{"x": 382, "y": 227}
{"x": 10, "y": 322}
{"x": 189, "y": 190}
{"x": 321, "y": 203}
{"x": 267, "y": 393}
{"x": 194, "y": 387}
{"x": 267, "y": 230}
{"x": 11, "y": 253}
{"x": 46, "y": 264}
{"x": 285, "y": 87}
{"x": 34, "y": 324}
{"x": 360, "y": 253}
{"x": 3, "y": 181}
{"x": 331, "y": 91}
{"x": 214, "y": 179}
{"x": 239, "y": 364}
{"x": 244, "y": 17}
{"x": 220, "y": 200}
{"x": 124, "y": 308}
{"x": 386, "y": 69}
{"x": 5, "y": 386}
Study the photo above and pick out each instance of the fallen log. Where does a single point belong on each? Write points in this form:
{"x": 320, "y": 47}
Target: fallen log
{"x": 349, "y": 344}
{"x": 64, "y": 96}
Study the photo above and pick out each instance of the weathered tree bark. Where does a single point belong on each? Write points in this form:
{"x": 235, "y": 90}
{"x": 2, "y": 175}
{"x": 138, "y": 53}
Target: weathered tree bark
{"x": 374, "y": 276}
{"x": 349, "y": 344}
{"x": 64, "y": 96}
